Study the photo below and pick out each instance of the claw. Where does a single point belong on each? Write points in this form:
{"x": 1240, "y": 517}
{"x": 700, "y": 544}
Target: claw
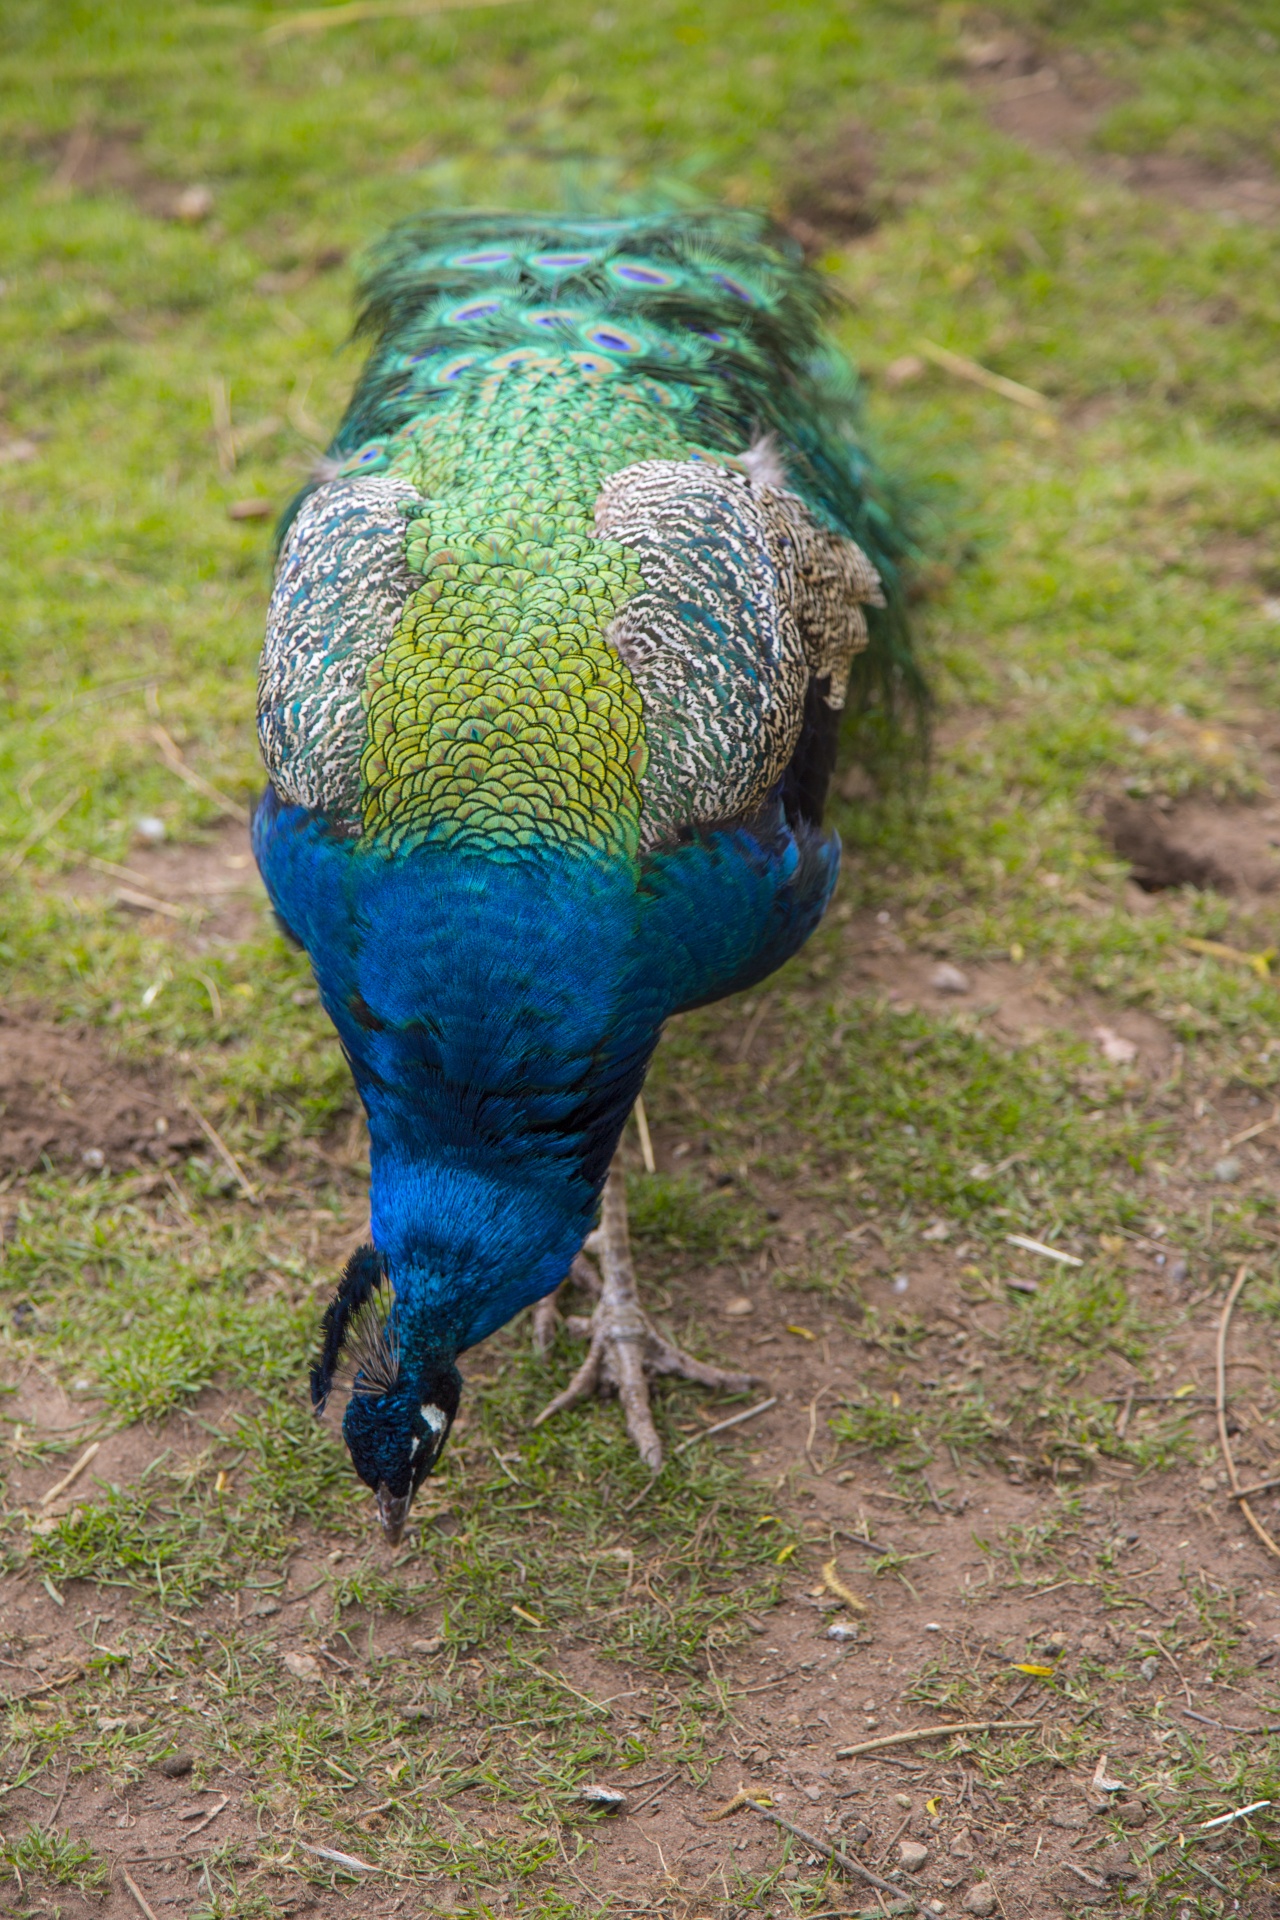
{"x": 625, "y": 1347}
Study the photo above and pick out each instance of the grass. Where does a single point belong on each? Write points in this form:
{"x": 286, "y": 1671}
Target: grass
{"x": 1099, "y": 617}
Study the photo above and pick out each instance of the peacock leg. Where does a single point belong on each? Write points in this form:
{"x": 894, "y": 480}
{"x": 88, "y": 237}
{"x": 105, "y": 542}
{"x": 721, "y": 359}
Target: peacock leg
{"x": 626, "y": 1348}
{"x": 546, "y": 1314}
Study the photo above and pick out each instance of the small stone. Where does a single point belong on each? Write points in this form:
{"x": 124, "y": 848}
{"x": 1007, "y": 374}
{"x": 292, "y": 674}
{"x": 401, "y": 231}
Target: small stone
{"x": 1227, "y": 1169}
{"x": 608, "y": 1799}
{"x": 94, "y": 1157}
{"x": 1130, "y": 1813}
{"x": 841, "y": 1630}
{"x": 263, "y": 1610}
{"x": 432, "y": 1644}
{"x": 948, "y": 979}
{"x": 980, "y": 1899}
{"x": 1150, "y": 1667}
{"x": 193, "y": 205}
{"x": 1114, "y": 1047}
{"x": 913, "y": 1854}
{"x": 303, "y": 1666}
{"x": 175, "y": 1765}
{"x": 738, "y": 1308}
{"x": 150, "y": 828}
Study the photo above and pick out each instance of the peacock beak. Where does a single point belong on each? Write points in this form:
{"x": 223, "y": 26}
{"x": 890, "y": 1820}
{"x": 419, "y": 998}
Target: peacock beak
{"x": 393, "y": 1511}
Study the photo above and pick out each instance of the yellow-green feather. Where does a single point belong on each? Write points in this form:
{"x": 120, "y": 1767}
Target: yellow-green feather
{"x": 500, "y": 714}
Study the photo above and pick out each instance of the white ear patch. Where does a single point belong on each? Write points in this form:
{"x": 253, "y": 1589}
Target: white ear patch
{"x": 436, "y": 1419}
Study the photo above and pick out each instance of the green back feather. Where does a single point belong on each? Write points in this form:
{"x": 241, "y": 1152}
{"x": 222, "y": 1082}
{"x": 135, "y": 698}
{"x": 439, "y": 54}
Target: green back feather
{"x": 719, "y": 323}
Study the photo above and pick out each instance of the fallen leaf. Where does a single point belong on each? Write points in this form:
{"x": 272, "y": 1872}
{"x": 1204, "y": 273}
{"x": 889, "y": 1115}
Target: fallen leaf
{"x": 1029, "y": 1666}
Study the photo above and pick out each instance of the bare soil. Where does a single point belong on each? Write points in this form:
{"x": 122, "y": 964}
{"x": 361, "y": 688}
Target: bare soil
{"x": 1055, "y": 102}
{"x": 99, "y": 159}
{"x": 953, "y": 1606}
{"x": 65, "y": 1101}
{"x": 831, "y": 196}
{"x": 797, "y": 1694}
{"x": 205, "y": 893}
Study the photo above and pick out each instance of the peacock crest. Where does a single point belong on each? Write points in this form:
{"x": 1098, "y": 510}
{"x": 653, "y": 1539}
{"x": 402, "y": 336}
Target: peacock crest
{"x": 360, "y": 1345}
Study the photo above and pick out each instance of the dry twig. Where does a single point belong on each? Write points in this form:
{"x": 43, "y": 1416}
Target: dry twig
{"x": 69, "y": 1479}
{"x": 1220, "y": 1407}
{"x": 936, "y": 1733}
{"x": 962, "y": 368}
{"x": 173, "y": 759}
{"x": 136, "y": 1891}
{"x": 721, "y": 1426}
{"x": 222, "y": 1150}
{"x": 320, "y": 19}
{"x": 43, "y": 827}
{"x": 842, "y": 1860}
{"x": 646, "y": 1141}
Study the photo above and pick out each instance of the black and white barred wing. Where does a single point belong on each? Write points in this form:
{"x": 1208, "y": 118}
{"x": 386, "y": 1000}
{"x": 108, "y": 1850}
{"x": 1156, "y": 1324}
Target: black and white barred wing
{"x": 340, "y": 588}
{"x": 749, "y": 604}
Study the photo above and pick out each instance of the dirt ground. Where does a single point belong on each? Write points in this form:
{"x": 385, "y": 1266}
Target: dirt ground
{"x": 1098, "y": 1612}
{"x": 952, "y": 1612}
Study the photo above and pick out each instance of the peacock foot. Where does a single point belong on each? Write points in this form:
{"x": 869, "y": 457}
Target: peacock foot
{"x": 625, "y": 1348}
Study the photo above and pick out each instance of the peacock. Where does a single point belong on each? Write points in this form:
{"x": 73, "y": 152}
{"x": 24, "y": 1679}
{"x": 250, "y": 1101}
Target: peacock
{"x": 556, "y": 653}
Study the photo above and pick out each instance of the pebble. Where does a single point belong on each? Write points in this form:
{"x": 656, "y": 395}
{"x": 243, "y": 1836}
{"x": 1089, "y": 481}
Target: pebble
{"x": 150, "y": 828}
{"x": 607, "y": 1798}
{"x": 913, "y": 1854}
{"x": 980, "y": 1899}
{"x": 1227, "y": 1169}
{"x": 840, "y": 1631}
{"x": 303, "y": 1666}
{"x": 739, "y": 1308}
{"x": 431, "y": 1645}
{"x": 175, "y": 1765}
{"x": 948, "y": 979}
{"x": 193, "y": 205}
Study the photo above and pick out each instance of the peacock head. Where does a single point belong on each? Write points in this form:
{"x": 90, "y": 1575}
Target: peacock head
{"x": 397, "y": 1415}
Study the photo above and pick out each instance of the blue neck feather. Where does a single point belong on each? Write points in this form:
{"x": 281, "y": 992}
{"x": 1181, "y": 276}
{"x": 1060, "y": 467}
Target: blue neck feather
{"x": 499, "y": 1016}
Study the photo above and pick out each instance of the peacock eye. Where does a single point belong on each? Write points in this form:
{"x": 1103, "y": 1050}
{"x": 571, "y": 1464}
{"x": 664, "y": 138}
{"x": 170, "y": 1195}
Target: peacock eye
{"x": 436, "y": 1419}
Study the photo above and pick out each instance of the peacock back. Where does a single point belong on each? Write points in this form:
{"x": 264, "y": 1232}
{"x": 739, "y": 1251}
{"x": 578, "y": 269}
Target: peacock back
{"x": 590, "y": 549}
